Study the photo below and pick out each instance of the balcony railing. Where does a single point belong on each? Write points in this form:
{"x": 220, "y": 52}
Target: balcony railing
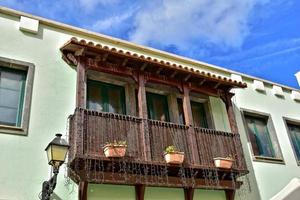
{"x": 147, "y": 140}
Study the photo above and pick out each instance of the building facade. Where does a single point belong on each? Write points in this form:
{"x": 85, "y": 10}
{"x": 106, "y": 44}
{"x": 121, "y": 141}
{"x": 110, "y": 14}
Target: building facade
{"x": 96, "y": 90}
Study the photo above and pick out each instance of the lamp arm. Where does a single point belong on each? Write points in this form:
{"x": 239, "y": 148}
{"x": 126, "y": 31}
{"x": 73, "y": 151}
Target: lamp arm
{"x": 49, "y": 186}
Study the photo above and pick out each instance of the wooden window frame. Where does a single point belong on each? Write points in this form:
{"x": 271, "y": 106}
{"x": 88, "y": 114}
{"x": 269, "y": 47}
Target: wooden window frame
{"x": 104, "y": 90}
{"x": 150, "y": 105}
{"x": 274, "y": 139}
{"x": 295, "y": 122}
{"x": 24, "y": 112}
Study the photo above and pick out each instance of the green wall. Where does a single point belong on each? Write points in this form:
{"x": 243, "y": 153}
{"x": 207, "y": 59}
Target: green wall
{"x": 116, "y": 192}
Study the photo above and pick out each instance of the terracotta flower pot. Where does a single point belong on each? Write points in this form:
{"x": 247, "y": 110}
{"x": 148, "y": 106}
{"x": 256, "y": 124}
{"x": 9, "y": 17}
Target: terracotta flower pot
{"x": 114, "y": 151}
{"x": 225, "y": 163}
{"x": 174, "y": 158}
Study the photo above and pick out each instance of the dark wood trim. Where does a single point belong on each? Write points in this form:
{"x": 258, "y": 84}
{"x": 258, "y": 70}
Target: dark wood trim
{"x": 93, "y": 64}
{"x": 82, "y": 193}
{"x": 143, "y": 113}
{"x": 189, "y": 193}
{"x": 81, "y": 82}
{"x": 140, "y": 192}
{"x": 229, "y": 194}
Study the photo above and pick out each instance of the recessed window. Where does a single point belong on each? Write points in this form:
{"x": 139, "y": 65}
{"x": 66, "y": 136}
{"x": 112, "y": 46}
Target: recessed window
{"x": 12, "y": 86}
{"x": 157, "y": 107}
{"x": 294, "y": 133}
{"x": 199, "y": 114}
{"x": 262, "y": 136}
{"x": 105, "y": 97}
{"x": 16, "y": 79}
{"x": 180, "y": 111}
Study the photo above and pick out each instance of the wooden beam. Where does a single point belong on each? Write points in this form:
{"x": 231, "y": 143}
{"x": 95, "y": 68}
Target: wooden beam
{"x": 80, "y": 52}
{"x": 72, "y": 58}
{"x": 187, "y": 77}
{"x": 202, "y": 82}
{"x": 188, "y": 193}
{"x": 82, "y": 193}
{"x": 124, "y": 62}
{"x": 229, "y": 194}
{"x": 152, "y": 77}
{"x": 159, "y": 70}
{"x": 81, "y": 82}
{"x": 173, "y": 182}
{"x": 140, "y": 192}
{"x": 217, "y": 85}
{"x": 143, "y": 113}
{"x": 187, "y": 111}
{"x": 144, "y": 66}
{"x": 174, "y": 74}
{"x": 105, "y": 57}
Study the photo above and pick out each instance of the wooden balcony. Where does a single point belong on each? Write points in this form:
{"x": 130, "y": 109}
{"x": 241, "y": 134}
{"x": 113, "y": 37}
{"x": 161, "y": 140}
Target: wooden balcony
{"x": 144, "y": 163}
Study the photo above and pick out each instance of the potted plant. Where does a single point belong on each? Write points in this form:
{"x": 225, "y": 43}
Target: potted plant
{"x": 116, "y": 149}
{"x": 225, "y": 163}
{"x": 173, "y": 156}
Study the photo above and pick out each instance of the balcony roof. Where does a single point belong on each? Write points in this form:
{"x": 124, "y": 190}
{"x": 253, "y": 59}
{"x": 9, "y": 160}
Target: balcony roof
{"x": 159, "y": 67}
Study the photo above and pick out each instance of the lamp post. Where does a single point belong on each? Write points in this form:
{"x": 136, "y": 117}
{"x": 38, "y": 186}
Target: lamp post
{"x": 56, "y": 150}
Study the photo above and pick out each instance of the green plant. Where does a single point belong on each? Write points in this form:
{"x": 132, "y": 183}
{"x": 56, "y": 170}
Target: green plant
{"x": 171, "y": 149}
{"x": 116, "y": 143}
{"x": 229, "y": 157}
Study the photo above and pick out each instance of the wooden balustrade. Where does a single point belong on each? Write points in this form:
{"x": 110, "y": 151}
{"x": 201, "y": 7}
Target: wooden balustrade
{"x": 90, "y": 130}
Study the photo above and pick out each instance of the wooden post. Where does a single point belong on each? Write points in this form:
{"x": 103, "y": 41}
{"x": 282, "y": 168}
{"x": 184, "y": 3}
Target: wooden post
{"x": 226, "y": 97}
{"x": 188, "y": 193}
{"x": 187, "y": 106}
{"x": 140, "y": 192}
{"x": 81, "y": 82}
{"x": 131, "y": 99}
{"x": 82, "y": 193}
{"x": 189, "y": 122}
{"x": 142, "y": 113}
{"x": 229, "y": 194}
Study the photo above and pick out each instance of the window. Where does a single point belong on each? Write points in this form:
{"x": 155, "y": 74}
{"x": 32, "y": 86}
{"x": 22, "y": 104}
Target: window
{"x": 105, "y": 97}
{"x": 16, "y": 79}
{"x": 198, "y": 111}
{"x": 199, "y": 114}
{"x": 262, "y": 136}
{"x": 294, "y": 133}
{"x": 12, "y": 85}
{"x": 180, "y": 111}
{"x": 157, "y": 107}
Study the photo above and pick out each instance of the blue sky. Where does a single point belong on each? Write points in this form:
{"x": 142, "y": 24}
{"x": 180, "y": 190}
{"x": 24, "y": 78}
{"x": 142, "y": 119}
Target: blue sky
{"x": 256, "y": 37}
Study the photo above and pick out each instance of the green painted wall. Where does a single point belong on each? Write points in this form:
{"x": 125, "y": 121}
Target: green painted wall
{"x": 113, "y": 192}
{"x": 23, "y": 160}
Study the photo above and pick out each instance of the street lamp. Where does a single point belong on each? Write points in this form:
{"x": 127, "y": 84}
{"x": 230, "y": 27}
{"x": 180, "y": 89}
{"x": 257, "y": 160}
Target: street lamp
{"x": 56, "y": 150}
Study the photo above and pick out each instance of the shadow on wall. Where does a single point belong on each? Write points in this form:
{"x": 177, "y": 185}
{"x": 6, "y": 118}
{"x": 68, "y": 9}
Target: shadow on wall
{"x": 55, "y": 197}
{"x": 249, "y": 190}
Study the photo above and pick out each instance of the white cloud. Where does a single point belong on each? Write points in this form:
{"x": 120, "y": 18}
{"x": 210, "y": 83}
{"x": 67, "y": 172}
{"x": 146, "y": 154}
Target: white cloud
{"x": 89, "y": 5}
{"x": 111, "y": 22}
{"x": 188, "y": 23}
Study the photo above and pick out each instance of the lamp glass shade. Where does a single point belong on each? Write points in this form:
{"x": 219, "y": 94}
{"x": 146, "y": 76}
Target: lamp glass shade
{"x": 57, "y": 153}
{"x": 57, "y": 150}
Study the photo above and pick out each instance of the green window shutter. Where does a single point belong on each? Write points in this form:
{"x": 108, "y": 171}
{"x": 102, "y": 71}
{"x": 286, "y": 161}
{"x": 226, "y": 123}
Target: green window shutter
{"x": 157, "y": 107}
{"x": 106, "y": 97}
